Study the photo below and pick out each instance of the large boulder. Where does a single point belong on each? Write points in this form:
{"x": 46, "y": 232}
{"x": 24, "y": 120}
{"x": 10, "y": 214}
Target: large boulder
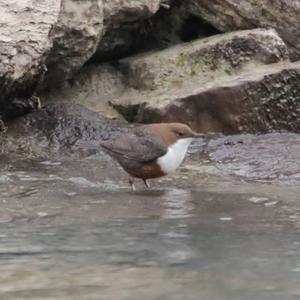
{"x": 117, "y": 12}
{"x": 61, "y": 125}
{"x": 94, "y": 86}
{"x": 122, "y": 20}
{"x": 203, "y": 59}
{"x": 263, "y": 100}
{"x": 75, "y": 37}
{"x": 229, "y": 15}
{"x": 24, "y": 43}
{"x": 238, "y": 82}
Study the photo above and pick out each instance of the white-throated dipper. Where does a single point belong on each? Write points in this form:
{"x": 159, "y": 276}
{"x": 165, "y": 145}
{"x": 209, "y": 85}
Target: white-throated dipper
{"x": 151, "y": 151}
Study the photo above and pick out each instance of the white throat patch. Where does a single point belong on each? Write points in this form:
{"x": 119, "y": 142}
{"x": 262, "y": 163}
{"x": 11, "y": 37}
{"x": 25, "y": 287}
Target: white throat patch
{"x": 175, "y": 155}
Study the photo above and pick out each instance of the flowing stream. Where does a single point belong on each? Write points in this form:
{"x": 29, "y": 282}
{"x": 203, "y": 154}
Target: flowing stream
{"x": 225, "y": 226}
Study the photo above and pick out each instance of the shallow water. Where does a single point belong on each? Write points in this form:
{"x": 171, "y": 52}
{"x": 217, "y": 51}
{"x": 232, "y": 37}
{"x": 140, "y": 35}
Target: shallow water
{"x": 225, "y": 226}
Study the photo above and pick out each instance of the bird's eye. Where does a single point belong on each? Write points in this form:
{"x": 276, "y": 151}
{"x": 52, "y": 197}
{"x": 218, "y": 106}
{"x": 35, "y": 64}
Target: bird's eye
{"x": 179, "y": 133}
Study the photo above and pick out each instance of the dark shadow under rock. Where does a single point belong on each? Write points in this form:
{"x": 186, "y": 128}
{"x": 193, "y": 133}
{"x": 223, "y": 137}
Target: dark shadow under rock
{"x": 171, "y": 25}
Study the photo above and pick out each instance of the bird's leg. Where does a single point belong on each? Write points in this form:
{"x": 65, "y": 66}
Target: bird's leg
{"x": 147, "y": 184}
{"x": 131, "y": 182}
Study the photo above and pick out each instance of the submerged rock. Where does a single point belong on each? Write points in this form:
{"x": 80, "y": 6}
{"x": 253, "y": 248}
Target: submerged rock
{"x": 230, "y": 15}
{"x": 257, "y": 157}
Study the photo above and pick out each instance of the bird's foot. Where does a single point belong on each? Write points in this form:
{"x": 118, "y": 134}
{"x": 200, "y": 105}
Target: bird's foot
{"x": 147, "y": 184}
{"x": 131, "y": 182}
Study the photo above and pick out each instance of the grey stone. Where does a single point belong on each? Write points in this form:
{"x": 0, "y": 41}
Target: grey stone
{"x": 261, "y": 101}
{"x": 61, "y": 125}
{"x": 122, "y": 20}
{"x": 203, "y": 59}
{"x": 24, "y": 43}
{"x": 229, "y": 15}
{"x": 94, "y": 86}
{"x": 75, "y": 38}
{"x": 238, "y": 82}
{"x": 117, "y": 12}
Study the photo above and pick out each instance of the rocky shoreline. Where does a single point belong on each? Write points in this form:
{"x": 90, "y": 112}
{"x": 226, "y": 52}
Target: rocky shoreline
{"x": 96, "y": 65}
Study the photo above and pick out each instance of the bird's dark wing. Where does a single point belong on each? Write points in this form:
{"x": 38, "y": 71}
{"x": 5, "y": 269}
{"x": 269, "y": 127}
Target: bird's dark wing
{"x": 135, "y": 146}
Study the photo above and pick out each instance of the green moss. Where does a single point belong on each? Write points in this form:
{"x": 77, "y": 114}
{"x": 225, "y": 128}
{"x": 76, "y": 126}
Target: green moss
{"x": 198, "y": 66}
{"x": 265, "y": 13}
{"x": 228, "y": 71}
{"x": 180, "y": 60}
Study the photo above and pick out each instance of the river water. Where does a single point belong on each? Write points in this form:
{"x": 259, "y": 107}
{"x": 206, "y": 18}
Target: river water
{"x": 225, "y": 226}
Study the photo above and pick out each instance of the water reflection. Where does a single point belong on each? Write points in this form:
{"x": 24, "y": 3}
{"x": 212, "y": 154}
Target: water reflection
{"x": 177, "y": 204}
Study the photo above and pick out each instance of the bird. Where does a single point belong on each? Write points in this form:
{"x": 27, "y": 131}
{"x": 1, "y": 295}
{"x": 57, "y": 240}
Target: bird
{"x": 152, "y": 150}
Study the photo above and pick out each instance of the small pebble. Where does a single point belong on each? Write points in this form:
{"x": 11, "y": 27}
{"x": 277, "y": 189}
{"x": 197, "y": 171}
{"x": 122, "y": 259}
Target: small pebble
{"x": 225, "y": 219}
{"x": 71, "y": 194}
{"x": 296, "y": 270}
{"x": 258, "y": 200}
{"x": 42, "y": 214}
{"x": 50, "y": 163}
{"x": 271, "y": 203}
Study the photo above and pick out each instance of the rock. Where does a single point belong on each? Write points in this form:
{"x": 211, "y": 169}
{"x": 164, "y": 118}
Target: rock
{"x": 229, "y": 15}
{"x": 238, "y": 82}
{"x": 61, "y": 125}
{"x": 263, "y": 100}
{"x": 203, "y": 59}
{"x": 21, "y": 106}
{"x": 117, "y": 12}
{"x": 165, "y": 85}
{"x": 75, "y": 38}
{"x": 123, "y": 20}
{"x": 93, "y": 86}
{"x": 157, "y": 29}
{"x": 256, "y": 157}
{"x": 24, "y": 44}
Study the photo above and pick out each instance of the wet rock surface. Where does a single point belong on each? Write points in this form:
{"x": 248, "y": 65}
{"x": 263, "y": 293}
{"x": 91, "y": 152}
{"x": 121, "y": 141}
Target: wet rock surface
{"x": 58, "y": 126}
{"x": 232, "y": 15}
{"x": 266, "y": 157}
{"x": 222, "y": 226}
